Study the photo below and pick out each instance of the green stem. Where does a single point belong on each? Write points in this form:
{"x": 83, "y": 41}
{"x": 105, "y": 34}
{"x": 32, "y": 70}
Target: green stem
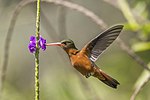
{"x": 37, "y": 90}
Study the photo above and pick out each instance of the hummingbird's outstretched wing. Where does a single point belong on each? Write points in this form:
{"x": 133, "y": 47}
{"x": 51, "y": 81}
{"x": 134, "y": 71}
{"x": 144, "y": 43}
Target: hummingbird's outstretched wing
{"x": 97, "y": 45}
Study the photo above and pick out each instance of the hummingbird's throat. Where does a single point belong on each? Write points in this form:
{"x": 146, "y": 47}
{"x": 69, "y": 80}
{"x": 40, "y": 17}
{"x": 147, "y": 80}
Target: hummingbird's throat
{"x": 71, "y": 52}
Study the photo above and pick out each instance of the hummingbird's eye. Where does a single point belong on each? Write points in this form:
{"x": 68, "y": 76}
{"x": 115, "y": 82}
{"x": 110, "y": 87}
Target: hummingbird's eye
{"x": 65, "y": 43}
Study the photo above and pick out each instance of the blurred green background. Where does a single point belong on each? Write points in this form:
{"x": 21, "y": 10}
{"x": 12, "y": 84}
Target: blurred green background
{"x": 58, "y": 79}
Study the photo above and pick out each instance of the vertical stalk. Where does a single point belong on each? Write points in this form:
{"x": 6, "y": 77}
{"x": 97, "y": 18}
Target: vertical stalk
{"x": 37, "y": 34}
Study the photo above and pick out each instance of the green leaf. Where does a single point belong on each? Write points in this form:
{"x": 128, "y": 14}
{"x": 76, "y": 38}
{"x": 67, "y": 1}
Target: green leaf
{"x": 132, "y": 27}
{"x": 146, "y": 28}
{"x": 142, "y": 46}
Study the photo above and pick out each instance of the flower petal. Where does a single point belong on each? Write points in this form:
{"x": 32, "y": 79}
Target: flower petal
{"x": 32, "y": 47}
{"x": 32, "y": 44}
{"x": 42, "y": 43}
{"x": 32, "y": 39}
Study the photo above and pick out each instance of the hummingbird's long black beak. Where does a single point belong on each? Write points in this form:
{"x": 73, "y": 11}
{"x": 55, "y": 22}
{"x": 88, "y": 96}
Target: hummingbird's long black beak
{"x": 54, "y": 44}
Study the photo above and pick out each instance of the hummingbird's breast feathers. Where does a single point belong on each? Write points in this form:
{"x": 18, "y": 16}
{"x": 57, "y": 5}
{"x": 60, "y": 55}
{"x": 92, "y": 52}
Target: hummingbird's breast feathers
{"x": 81, "y": 62}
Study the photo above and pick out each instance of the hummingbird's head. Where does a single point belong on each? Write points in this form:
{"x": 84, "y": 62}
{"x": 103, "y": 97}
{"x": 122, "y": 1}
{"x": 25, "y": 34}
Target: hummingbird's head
{"x": 65, "y": 44}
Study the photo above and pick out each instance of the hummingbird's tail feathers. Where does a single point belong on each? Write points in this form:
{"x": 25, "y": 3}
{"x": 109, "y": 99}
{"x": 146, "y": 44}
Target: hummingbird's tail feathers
{"x": 106, "y": 78}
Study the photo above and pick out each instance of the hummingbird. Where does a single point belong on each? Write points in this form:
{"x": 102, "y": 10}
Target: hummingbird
{"x": 84, "y": 60}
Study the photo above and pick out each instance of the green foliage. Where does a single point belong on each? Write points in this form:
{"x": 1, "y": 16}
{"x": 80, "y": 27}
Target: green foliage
{"x": 141, "y": 46}
{"x": 131, "y": 26}
{"x": 145, "y": 4}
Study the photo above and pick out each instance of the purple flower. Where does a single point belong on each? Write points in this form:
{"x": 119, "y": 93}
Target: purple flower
{"x": 42, "y": 43}
{"x": 32, "y": 44}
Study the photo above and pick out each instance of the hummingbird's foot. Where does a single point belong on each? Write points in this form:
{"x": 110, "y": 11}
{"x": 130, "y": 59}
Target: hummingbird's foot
{"x": 89, "y": 74}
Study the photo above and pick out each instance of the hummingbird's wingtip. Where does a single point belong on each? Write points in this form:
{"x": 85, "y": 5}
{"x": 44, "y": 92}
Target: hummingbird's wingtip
{"x": 118, "y": 25}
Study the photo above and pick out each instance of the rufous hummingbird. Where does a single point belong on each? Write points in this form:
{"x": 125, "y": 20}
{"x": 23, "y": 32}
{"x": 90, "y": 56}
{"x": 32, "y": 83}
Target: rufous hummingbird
{"x": 84, "y": 60}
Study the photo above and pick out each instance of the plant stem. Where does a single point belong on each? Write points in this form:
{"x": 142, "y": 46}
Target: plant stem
{"x": 37, "y": 34}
